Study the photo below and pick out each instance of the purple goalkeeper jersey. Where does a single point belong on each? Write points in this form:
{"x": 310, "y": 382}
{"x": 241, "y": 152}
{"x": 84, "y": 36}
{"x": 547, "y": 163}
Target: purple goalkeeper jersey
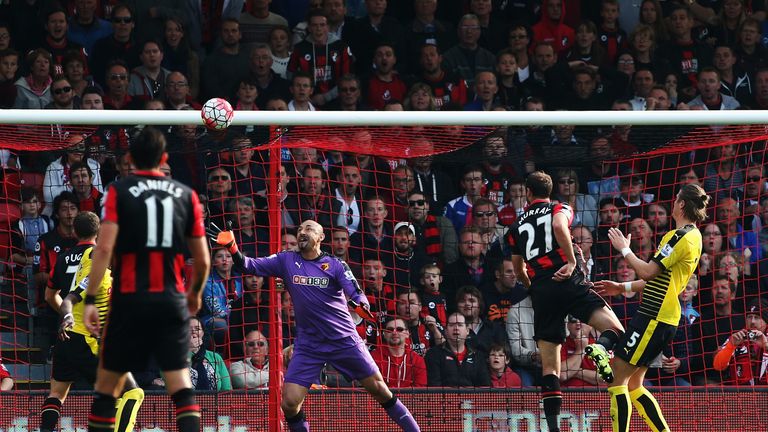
{"x": 319, "y": 290}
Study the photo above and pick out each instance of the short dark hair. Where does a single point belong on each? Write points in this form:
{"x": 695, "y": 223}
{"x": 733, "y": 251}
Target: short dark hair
{"x": 27, "y": 193}
{"x": 86, "y": 225}
{"x": 147, "y": 148}
{"x": 473, "y": 291}
{"x": 540, "y": 184}
{"x": 65, "y": 196}
{"x": 80, "y": 165}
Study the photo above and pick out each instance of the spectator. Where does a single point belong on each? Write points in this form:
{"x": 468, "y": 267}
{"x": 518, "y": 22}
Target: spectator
{"x": 739, "y": 237}
{"x": 435, "y": 183}
{"x": 384, "y": 83}
{"x": 493, "y": 27}
{"x": 323, "y": 56}
{"x": 403, "y": 181}
{"x": 610, "y": 213}
{"x": 280, "y": 44}
{"x": 510, "y": 93}
{"x": 9, "y": 66}
{"x": 178, "y": 56}
{"x": 498, "y": 366}
{"x": 755, "y": 189}
{"x": 56, "y": 41}
{"x": 642, "y": 238}
{"x": 749, "y": 48}
{"x": 686, "y": 56}
{"x": 652, "y": 14}
{"x": 148, "y": 80}
{"x": 81, "y": 177}
{"x": 744, "y": 351}
{"x": 710, "y": 97}
{"x": 58, "y": 174}
{"x": 75, "y": 71}
{"x": 399, "y": 365}
{"x": 584, "y": 93}
{"x": 256, "y": 22}
{"x": 643, "y": 81}
{"x": 586, "y": 49}
{"x": 269, "y": 84}
{"x": 515, "y": 201}
{"x": 433, "y": 300}
{"x": 419, "y": 98}
{"x": 551, "y": 28}
{"x": 248, "y": 176}
{"x": 446, "y": 86}
{"x": 518, "y": 42}
{"x": 177, "y": 95}
{"x": 459, "y": 210}
{"x": 548, "y": 78}
{"x": 658, "y": 99}
{"x": 454, "y": 364}
{"x": 625, "y": 305}
{"x": 576, "y": 369}
{"x": 253, "y": 240}
{"x": 6, "y": 381}
{"x": 657, "y": 216}
{"x": 350, "y": 96}
{"x": 207, "y": 369}
{"x": 482, "y": 332}
{"x": 24, "y": 235}
{"x": 435, "y": 235}
{"x": 381, "y": 295}
{"x": 34, "y": 90}
{"x": 301, "y": 29}
{"x": 525, "y": 352}
{"x": 346, "y": 208}
{"x": 486, "y": 90}
{"x": 468, "y": 57}
{"x": 423, "y": 331}
{"x": 407, "y": 262}
{"x": 223, "y": 69}
{"x": 301, "y": 89}
{"x": 222, "y": 288}
{"x": 505, "y": 291}
{"x": 219, "y": 193}
{"x": 253, "y": 371}
{"x": 424, "y": 28}
{"x": 612, "y": 37}
{"x": 471, "y": 268}
{"x": 584, "y": 206}
{"x": 364, "y": 35}
{"x": 485, "y": 217}
{"x": 85, "y": 27}
{"x": 120, "y": 45}
{"x": 63, "y": 94}
{"x": 117, "y": 96}
{"x": 734, "y": 81}
{"x": 582, "y": 237}
{"x": 718, "y": 321}
{"x": 375, "y": 237}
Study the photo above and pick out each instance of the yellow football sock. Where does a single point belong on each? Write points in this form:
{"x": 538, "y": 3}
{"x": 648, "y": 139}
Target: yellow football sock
{"x": 649, "y": 409}
{"x": 127, "y": 409}
{"x": 621, "y": 408}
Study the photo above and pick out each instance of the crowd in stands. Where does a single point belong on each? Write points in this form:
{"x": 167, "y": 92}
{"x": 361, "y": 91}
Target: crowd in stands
{"x": 426, "y": 237}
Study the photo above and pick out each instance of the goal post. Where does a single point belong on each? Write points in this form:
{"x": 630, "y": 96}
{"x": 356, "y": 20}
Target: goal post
{"x": 656, "y": 150}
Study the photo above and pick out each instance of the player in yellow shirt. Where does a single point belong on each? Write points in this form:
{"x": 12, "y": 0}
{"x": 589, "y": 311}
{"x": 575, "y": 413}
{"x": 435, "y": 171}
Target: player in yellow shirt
{"x": 76, "y": 352}
{"x": 663, "y": 278}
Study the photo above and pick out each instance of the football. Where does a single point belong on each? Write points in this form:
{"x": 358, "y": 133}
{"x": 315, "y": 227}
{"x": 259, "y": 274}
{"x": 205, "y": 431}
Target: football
{"x": 217, "y": 114}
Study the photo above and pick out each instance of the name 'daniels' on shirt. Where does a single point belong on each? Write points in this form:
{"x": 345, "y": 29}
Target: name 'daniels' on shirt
{"x": 163, "y": 185}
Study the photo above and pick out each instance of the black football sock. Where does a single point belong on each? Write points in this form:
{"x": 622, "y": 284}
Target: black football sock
{"x": 552, "y": 399}
{"x": 49, "y": 414}
{"x": 187, "y": 410}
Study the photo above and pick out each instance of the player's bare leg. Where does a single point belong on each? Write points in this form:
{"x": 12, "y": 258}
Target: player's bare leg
{"x": 51, "y": 410}
{"x": 611, "y": 330}
{"x": 627, "y": 390}
{"x": 395, "y": 409}
{"x": 178, "y": 384}
{"x": 551, "y": 396}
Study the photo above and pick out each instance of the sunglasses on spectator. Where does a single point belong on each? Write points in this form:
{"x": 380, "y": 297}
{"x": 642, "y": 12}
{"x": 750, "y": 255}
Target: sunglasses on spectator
{"x": 121, "y": 77}
{"x": 567, "y": 181}
{"x": 395, "y": 329}
{"x": 61, "y": 90}
{"x": 414, "y": 203}
{"x": 254, "y": 344}
{"x": 754, "y": 179}
{"x": 219, "y": 178}
{"x": 122, "y": 20}
{"x": 488, "y": 213}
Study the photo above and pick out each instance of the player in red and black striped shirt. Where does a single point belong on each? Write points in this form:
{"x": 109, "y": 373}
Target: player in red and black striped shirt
{"x": 148, "y": 220}
{"x": 541, "y": 242}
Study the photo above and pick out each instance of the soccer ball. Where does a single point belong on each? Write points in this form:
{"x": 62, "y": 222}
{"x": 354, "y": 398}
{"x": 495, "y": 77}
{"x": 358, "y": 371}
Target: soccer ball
{"x": 217, "y": 114}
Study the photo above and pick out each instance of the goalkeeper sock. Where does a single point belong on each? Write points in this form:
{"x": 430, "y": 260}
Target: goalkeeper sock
{"x": 187, "y": 410}
{"x": 49, "y": 414}
{"x": 649, "y": 409}
{"x": 127, "y": 409}
{"x": 298, "y": 423}
{"x": 400, "y": 414}
{"x": 609, "y": 338}
{"x": 552, "y": 399}
{"x": 102, "y": 418}
{"x": 621, "y": 408}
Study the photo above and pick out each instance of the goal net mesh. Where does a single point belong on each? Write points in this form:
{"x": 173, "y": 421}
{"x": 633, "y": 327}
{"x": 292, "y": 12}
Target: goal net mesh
{"x": 460, "y": 189}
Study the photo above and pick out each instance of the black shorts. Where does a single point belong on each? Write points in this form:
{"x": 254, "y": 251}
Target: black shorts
{"x": 553, "y": 301}
{"x": 73, "y": 359}
{"x": 644, "y": 340}
{"x": 137, "y": 331}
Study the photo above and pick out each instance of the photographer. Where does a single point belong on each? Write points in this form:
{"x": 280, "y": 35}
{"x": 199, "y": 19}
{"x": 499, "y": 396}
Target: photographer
{"x": 746, "y": 351}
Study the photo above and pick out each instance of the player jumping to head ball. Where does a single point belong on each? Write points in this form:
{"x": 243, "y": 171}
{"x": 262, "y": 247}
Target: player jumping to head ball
{"x": 545, "y": 261}
{"x": 319, "y": 285}
{"x": 662, "y": 279}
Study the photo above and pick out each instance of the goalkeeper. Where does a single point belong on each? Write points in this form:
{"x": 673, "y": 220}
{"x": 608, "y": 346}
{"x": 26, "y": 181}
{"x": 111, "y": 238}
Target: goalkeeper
{"x": 75, "y": 354}
{"x": 318, "y": 284}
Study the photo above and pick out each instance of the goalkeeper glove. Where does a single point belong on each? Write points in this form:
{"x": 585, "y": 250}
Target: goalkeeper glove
{"x": 225, "y": 239}
{"x": 363, "y": 310}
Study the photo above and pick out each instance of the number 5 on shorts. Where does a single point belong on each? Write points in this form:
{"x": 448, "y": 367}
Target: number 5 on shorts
{"x": 633, "y": 339}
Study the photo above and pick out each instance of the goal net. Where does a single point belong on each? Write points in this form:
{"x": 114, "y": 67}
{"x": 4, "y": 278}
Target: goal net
{"x": 420, "y": 211}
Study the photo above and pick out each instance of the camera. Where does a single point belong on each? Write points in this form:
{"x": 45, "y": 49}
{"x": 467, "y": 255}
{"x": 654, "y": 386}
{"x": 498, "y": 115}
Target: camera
{"x": 751, "y": 335}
